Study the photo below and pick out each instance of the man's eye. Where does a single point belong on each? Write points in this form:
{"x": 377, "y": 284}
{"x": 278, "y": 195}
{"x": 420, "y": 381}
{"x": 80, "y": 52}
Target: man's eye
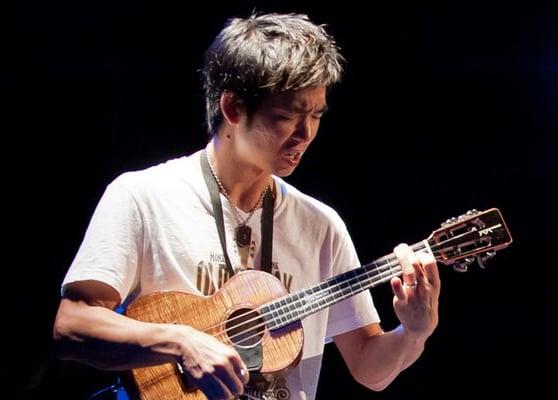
{"x": 283, "y": 117}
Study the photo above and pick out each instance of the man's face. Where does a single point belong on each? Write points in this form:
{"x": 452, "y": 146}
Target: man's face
{"x": 280, "y": 130}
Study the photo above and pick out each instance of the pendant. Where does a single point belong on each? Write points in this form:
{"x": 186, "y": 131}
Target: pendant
{"x": 243, "y": 234}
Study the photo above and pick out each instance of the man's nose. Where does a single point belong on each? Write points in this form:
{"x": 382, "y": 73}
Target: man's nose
{"x": 305, "y": 130}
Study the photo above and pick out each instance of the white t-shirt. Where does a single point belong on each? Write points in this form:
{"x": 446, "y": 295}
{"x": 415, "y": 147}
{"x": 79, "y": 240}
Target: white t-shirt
{"x": 154, "y": 230}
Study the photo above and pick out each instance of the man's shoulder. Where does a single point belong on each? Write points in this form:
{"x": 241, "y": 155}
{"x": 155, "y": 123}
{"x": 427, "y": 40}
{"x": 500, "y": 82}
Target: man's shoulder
{"x": 296, "y": 201}
{"x": 166, "y": 174}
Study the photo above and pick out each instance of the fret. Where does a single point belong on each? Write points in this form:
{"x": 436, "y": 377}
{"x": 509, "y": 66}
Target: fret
{"x": 289, "y": 312}
{"x": 359, "y": 281}
{"x": 270, "y": 314}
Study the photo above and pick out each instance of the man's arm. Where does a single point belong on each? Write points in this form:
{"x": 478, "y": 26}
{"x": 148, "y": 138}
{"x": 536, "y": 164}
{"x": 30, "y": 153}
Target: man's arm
{"x": 375, "y": 357}
{"x": 87, "y": 329}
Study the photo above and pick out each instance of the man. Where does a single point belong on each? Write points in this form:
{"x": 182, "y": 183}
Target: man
{"x": 266, "y": 80}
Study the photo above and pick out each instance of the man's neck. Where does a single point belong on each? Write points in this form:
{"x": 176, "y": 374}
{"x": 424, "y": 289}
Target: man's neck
{"x": 243, "y": 181}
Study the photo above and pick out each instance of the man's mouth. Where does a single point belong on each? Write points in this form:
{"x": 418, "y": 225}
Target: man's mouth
{"x": 294, "y": 156}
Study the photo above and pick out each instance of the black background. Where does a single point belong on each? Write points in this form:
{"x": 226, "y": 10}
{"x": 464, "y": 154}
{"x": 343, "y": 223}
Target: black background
{"x": 443, "y": 108}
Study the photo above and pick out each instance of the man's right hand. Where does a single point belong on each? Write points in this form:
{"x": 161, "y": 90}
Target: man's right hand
{"x": 215, "y": 368}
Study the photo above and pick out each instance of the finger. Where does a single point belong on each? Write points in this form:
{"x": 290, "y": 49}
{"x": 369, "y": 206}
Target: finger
{"x": 242, "y": 372}
{"x": 231, "y": 380}
{"x": 238, "y": 370}
{"x": 239, "y": 367}
{"x": 431, "y": 269}
{"x": 398, "y": 290}
{"x": 406, "y": 258}
{"x": 420, "y": 273}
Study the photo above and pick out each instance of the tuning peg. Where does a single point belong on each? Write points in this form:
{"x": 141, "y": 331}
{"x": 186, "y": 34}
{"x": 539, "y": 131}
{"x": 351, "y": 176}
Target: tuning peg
{"x": 468, "y": 214}
{"x": 449, "y": 221}
{"x": 483, "y": 258}
{"x": 463, "y": 265}
{"x": 460, "y": 267}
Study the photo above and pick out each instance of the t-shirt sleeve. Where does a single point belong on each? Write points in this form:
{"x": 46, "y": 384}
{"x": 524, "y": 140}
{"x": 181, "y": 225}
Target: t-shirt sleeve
{"x": 356, "y": 311}
{"x": 112, "y": 246}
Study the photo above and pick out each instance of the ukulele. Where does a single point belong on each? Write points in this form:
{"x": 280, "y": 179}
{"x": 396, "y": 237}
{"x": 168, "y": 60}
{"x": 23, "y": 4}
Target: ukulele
{"x": 253, "y": 310}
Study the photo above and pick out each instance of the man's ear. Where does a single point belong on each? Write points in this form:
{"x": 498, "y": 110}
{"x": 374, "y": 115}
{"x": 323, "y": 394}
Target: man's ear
{"x": 232, "y": 107}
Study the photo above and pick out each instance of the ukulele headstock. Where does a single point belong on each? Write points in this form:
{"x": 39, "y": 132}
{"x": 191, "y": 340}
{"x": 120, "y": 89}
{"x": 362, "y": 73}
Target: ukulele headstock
{"x": 473, "y": 236}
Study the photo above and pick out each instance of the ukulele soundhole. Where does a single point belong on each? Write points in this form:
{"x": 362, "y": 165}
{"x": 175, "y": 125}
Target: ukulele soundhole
{"x": 245, "y": 327}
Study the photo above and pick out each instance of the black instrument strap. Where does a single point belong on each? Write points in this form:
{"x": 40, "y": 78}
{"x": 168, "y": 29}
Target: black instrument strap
{"x": 267, "y": 231}
{"x": 266, "y": 220}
